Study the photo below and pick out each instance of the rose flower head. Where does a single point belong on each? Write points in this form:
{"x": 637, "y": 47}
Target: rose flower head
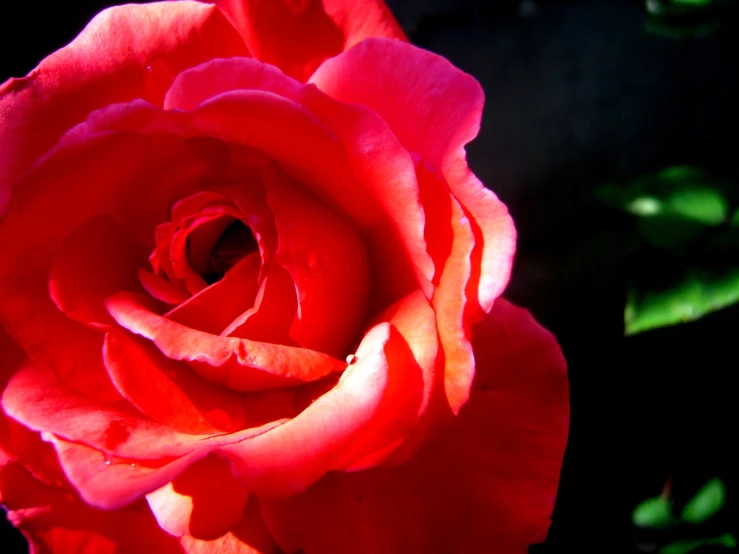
{"x": 250, "y": 295}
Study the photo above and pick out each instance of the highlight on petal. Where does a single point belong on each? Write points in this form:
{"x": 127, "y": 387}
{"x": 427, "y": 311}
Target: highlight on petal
{"x": 485, "y": 484}
{"x": 37, "y": 400}
{"x": 291, "y": 457}
{"x": 238, "y": 364}
{"x": 297, "y": 36}
{"x": 205, "y": 501}
{"x": 125, "y": 52}
{"x": 434, "y": 109}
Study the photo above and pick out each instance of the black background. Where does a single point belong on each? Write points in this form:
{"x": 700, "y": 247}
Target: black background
{"x": 577, "y": 94}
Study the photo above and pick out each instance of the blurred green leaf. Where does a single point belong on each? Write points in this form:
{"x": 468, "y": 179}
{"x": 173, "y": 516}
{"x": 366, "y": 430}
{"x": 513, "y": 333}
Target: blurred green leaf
{"x": 735, "y": 219}
{"x": 670, "y": 232}
{"x": 685, "y": 546}
{"x": 698, "y": 293}
{"x": 679, "y": 192}
{"x": 693, "y": 2}
{"x": 653, "y": 513}
{"x": 708, "y": 501}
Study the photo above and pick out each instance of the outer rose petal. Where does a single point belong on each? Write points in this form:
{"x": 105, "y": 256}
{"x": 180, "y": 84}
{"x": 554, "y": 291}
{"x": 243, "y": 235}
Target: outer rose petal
{"x": 204, "y": 501}
{"x": 297, "y": 35}
{"x": 486, "y": 484}
{"x": 434, "y": 109}
{"x": 55, "y": 521}
{"x": 126, "y": 52}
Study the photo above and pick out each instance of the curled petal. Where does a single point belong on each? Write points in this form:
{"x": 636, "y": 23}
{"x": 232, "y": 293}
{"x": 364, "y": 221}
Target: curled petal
{"x": 54, "y": 521}
{"x": 238, "y": 364}
{"x": 212, "y": 309}
{"x": 125, "y": 52}
{"x": 434, "y": 109}
{"x": 298, "y": 36}
{"x": 35, "y": 398}
{"x": 144, "y": 376}
{"x": 205, "y": 501}
{"x": 485, "y": 484}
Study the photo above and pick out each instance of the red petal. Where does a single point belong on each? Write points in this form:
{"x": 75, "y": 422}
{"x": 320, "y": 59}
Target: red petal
{"x": 143, "y": 376}
{"x": 55, "y": 521}
{"x": 297, "y": 35}
{"x": 36, "y": 399}
{"x": 450, "y": 305}
{"x": 249, "y": 536}
{"x": 434, "y": 109}
{"x": 374, "y": 401}
{"x": 327, "y": 261}
{"x": 126, "y": 52}
{"x": 238, "y": 364}
{"x": 357, "y": 164}
{"x": 96, "y": 260}
{"x": 412, "y": 360}
{"x": 12, "y": 357}
{"x": 274, "y": 309}
{"x": 205, "y": 501}
{"x": 487, "y": 484}
{"x": 23, "y": 445}
{"x": 161, "y": 289}
{"x": 215, "y": 307}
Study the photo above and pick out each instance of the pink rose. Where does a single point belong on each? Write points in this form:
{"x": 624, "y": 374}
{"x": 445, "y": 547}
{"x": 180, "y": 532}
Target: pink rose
{"x": 250, "y": 295}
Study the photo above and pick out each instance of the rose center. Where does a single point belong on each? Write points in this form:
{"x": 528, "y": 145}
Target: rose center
{"x": 235, "y": 243}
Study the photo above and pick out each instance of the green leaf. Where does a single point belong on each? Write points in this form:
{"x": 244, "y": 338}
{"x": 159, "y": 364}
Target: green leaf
{"x": 735, "y": 219}
{"x": 693, "y": 2}
{"x": 708, "y": 501}
{"x": 653, "y": 513}
{"x": 685, "y": 546}
{"x": 698, "y": 293}
{"x": 678, "y": 195}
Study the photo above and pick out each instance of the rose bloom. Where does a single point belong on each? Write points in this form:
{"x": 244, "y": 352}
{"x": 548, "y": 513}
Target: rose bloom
{"x": 250, "y": 295}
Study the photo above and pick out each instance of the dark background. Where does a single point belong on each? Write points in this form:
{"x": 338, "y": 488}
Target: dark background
{"x": 578, "y": 93}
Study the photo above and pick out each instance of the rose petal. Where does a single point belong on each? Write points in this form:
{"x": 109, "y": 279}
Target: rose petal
{"x": 215, "y": 307}
{"x": 238, "y": 364}
{"x": 328, "y": 264}
{"x": 57, "y": 522}
{"x": 161, "y": 289}
{"x": 37, "y": 400}
{"x": 274, "y": 310}
{"x": 143, "y": 376}
{"x": 412, "y": 359}
{"x": 96, "y": 260}
{"x": 290, "y": 459}
{"x": 487, "y": 484}
{"x": 297, "y": 36}
{"x": 12, "y": 357}
{"x": 434, "y": 109}
{"x": 450, "y": 305}
{"x": 111, "y": 483}
{"x": 126, "y": 52}
{"x": 386, "y": 188}
{"x": 205, "y": 501}
{"x": 248, "y": 536}
{"x": 136, "y": 195}
{"x": 20, "y": 444}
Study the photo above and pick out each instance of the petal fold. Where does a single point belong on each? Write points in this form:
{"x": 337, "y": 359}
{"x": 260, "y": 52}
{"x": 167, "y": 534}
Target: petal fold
{"x": 485, "y": 484}
{"x": 297, "y": 36}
